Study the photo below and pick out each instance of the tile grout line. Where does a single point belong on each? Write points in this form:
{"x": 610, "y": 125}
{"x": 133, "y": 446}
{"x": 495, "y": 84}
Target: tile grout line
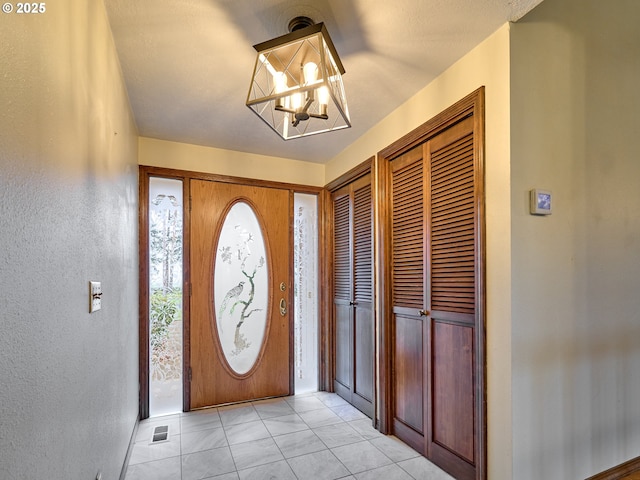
{"x": 346, "y": 422}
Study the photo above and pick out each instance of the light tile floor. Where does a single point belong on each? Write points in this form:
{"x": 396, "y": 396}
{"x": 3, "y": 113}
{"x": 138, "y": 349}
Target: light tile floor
{"x": 316, "y": 436}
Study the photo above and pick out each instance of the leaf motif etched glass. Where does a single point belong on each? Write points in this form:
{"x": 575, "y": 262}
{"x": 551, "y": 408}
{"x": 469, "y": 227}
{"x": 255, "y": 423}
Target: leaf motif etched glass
{"x": 241, "y": 288}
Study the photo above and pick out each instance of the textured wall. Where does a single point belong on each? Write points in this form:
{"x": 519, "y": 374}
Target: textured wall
{"x": 576, "y": 321}
{"x": 68, "y": 215}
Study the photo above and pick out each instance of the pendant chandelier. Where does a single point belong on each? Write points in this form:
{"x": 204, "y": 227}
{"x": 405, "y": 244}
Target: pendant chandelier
{"x": 297, "y": 84}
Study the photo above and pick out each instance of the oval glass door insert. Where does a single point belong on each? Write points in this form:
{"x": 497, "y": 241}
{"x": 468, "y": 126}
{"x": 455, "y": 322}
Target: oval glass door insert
{"x": 241, "y": 288}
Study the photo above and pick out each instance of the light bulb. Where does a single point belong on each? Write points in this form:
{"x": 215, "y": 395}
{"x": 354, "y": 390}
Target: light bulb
{"x": 323, "y": 95}
{"x": 296, "y": 101}
{"x": 310, "y": 72}
{"x": 323, "y": 100}
{"x": 280, "y": 79}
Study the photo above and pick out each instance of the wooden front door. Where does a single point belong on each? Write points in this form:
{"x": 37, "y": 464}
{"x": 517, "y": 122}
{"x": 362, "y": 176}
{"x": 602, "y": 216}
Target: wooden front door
{"x": 436, "y": 300}
{"x": 240, "y": 293}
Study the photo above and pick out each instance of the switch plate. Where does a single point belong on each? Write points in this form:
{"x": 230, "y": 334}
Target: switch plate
{"x": 95, "y": 296}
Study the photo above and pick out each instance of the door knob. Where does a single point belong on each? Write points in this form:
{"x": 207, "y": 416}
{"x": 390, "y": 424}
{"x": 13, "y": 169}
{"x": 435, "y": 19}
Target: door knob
{"x": 283, "y": 307}
{"x": 424, "y": 313}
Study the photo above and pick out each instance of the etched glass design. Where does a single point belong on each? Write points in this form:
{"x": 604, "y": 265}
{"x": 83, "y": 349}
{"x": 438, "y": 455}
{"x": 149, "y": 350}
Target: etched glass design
{"x": 306, "y": 292}
{"x": 241, "y": 288}
{"x": 165, "y": 292}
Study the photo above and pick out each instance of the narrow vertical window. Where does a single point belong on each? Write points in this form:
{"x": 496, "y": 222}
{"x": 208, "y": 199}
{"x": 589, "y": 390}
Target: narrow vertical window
{"x": 306, "y": 292}
{"x": 165, "y": 294}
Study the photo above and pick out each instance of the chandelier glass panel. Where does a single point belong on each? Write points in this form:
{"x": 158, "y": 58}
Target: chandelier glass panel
{"x": 297, "y": 84}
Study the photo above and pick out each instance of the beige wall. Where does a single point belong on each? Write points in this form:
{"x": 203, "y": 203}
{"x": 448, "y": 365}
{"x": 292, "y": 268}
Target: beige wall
{"x": 488, "y": 65}
{"x": 162, "y": 153}
{"x": 68, "y": 215}
{"x": 575, "y": 274}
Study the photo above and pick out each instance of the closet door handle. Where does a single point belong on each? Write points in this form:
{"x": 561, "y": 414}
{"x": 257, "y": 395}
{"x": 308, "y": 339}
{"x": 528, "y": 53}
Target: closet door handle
{"x": 353, "y": 303}
{"x": 283, "y": 307}
{"x": 424, "y": 313}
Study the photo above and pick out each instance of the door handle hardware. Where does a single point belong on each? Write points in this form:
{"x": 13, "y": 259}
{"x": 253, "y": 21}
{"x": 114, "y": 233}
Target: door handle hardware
{"x": 283, "y": 286}
{"x": 353, "y": 303}
{"x": 424, "y": 313}
{"x": 283, "y": 307}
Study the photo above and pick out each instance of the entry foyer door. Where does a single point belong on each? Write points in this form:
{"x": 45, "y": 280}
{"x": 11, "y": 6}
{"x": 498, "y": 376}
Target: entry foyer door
{"x": 240, "y": 293}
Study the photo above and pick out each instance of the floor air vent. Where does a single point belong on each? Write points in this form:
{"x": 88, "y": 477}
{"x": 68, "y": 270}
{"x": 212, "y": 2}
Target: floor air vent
{"x": 160, "y": 434}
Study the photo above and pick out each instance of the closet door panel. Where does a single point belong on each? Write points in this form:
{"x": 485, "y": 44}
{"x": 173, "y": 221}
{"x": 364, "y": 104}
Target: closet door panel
{"x": 409, "y": 358}
{"x": 343, "y": 349}
{"x": 453, "y": 388}
{"x": 364, "y": 354}
{"x": 353, "y": 294}
{"x": 434, "y": 298}
{"x": 363, "y": 333}
{"x": 408, "y": 297}
{"x": 342, "y": 280}
{"x": 451, "y": 298}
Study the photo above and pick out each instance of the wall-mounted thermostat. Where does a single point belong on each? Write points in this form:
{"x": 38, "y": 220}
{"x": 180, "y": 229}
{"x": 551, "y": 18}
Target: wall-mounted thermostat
{"x": 540, "y": 202}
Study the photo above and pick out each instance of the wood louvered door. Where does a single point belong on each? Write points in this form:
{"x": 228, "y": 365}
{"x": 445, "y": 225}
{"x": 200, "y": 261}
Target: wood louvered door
{"x": 434, "y": 297}
{"x": 353, "y": 293}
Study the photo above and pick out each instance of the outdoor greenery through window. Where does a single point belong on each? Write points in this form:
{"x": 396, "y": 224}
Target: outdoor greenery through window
{"x": 165, "y": 292}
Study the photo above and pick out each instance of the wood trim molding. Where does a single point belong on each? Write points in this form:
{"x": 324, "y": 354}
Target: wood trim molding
{"x": 186, "y": 294}
{"x": 143, "y": 295}
{"x": 290, "y": 296}
{"x": 188, "y": 175}
{"x": 481, "y": 306}
{"x": 351, "y": 175}
{"x": 383, "y": 281}
{"x": 619, "y": 472}
{"x": 448, "y": 117}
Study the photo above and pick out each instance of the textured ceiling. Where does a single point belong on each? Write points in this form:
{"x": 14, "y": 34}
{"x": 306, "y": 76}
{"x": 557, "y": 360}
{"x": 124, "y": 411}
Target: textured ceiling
{"x": 187, "y": 64}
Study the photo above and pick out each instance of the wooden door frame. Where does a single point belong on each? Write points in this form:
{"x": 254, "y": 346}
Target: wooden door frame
{"x": 472, "y": 104}
{"x": 145, "y": 172}
{"x": 328, "y": 340}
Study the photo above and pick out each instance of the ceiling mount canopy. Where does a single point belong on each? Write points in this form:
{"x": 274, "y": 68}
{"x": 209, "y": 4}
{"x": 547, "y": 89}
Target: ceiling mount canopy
{"x": 297, "y": 84}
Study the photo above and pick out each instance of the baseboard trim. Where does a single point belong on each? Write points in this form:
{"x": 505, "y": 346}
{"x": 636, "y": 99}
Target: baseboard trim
{"x": 132, "y": 441}
{"x": 620, "y": 471}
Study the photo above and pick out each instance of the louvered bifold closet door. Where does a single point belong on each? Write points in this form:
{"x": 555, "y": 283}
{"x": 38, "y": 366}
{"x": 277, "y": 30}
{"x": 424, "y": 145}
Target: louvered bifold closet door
{"x": 451, "y": 298}
{"x": 363, "y": 315}
{"x": 342, "y": 294}
{"x": 408, "y": 296}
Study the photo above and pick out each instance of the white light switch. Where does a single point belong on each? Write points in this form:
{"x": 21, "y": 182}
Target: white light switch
{"x": 95, "y": 296}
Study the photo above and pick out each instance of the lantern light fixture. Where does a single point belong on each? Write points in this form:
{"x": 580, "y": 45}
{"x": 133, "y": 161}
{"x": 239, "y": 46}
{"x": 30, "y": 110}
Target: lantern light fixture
{"x": 297, "y": 86}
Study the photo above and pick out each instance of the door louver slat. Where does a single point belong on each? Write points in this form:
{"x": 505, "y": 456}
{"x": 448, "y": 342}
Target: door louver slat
{"x": 453, "y": 286}
{"x": 363, "y": 278}
{"x": 342, "y": 265}
{"x": 407, "y": 241}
